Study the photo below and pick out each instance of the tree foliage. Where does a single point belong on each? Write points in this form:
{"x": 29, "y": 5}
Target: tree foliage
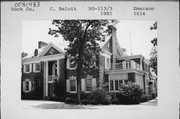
{"x": 84, "y": 37}
{"x": 153, "y": 54}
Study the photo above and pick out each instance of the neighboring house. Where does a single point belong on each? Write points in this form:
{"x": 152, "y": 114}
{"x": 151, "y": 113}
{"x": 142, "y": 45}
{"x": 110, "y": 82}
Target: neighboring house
{"x": 48, "y": 72}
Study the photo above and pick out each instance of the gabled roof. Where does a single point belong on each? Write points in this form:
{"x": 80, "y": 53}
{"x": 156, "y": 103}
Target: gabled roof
{"x": 64, "y": 44}
{"x": 106, "y": 39}
{"x": 42, "y": 51}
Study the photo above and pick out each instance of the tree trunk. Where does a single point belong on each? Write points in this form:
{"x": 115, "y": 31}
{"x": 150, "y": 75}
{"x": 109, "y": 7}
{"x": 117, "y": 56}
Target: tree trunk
{"x": 79, "y": 67}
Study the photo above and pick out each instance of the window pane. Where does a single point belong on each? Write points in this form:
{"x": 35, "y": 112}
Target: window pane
{"x": 116, "y": 85}
{"x": 88, "y": 84}
{"x": 37, "y": 67}
{"x": 27, "y": 67}
{"x": 111, "y": 85}
{"x": 120, "y": 82}
{"x": 126, "y": 81}
{"x": 27, "y": 85}
{"x": 72, "y": 85}
{"x": 72, "y": 64}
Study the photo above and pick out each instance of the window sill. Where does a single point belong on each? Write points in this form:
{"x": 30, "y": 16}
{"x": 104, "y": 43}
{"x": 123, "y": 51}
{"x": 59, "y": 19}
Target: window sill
{"x": 26, "y": 72}
{"x": 26, "y": 91}
{"x": 72, "y": 92}
{"x": 37, "y": 71}
{"x": 113, "y": 91}
{"x": 72, "y": 68}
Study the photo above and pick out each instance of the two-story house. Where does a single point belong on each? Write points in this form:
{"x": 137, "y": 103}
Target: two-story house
{"x": 48, "y": 71}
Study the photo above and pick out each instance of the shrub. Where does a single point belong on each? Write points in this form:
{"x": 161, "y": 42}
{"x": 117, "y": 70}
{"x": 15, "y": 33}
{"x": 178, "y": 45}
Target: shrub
{"x": 101, "y": 96}
{"x": 144, "y": 98}
{"x": 70, "y": 100}
{"x": 85, "y": 101}
{"x": 72, "y": 95}
{"x": 115, "y": 101}
{"x": 94, "y": 102}
{"x": 130, "y": 94}
{"x": 98, "y": 96}
{"x": 87, "y": 96}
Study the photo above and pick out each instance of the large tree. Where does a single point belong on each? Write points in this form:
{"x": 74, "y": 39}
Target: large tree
{"x": 153, "y": 54}
{"x": 84, "y": 37}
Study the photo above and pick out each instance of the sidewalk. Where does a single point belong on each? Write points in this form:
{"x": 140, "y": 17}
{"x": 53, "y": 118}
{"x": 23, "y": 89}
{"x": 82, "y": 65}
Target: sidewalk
{"x": 26, "y": 104}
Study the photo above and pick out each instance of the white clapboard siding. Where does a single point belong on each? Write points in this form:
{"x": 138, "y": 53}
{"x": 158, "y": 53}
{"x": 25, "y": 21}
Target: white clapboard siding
{"x": 94, "y": 83}
{"x": 83, "y": 85}
{"x": 67, "y": 86}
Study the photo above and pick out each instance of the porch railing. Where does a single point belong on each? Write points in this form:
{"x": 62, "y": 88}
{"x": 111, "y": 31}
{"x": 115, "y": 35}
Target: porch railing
{"x": 126, "y": 65}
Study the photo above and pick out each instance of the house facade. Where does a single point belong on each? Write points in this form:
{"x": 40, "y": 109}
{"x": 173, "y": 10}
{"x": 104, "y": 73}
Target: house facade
{"x": 48, "y": 71}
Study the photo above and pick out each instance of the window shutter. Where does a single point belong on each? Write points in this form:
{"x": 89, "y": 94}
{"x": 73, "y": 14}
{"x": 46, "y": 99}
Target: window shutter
{"x": 30, "y": 86}
{"x": 24, "y": 86}
{"x": 34, "y": 66}
{"x": 67, "y": 85}
{"x": 93, "y": 83}
{"x": 83, "y": 85}
{"x": 68, "y": 64}
{"x": 24, "y": 68}
{"x": 30, "y": 67}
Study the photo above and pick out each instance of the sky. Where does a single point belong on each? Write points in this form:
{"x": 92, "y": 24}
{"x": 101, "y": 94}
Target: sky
{"x": 133, "y": 35}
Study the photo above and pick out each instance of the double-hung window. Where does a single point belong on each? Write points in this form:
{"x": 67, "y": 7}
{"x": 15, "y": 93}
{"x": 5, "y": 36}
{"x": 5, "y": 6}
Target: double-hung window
{"x": 115, "y": 84}
{"x": 27, "y": 68}
{"x": 27, "y": 85}
{"x": 88, "y": 83}
{"x": 37, "y": 67}
{"x": 72, "y": 85}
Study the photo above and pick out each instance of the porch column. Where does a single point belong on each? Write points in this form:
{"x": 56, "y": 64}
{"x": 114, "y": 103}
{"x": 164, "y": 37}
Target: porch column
{"x": 132, "y": 64}
{"x": 140, "y": 63}
{"x": 124, "y": 64}
{"x": 58, "y": 67}
{"x": 46, "y": 79}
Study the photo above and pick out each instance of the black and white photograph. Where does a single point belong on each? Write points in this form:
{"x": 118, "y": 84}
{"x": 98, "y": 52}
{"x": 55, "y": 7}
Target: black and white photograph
{"x": 94, "y": 59}
{"x": 89, "y": 63}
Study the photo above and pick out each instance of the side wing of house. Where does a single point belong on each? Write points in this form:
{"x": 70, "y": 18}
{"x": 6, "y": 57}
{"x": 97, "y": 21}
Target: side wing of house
{"x": 108, "y": 57}
{"x": 43, "y": 73}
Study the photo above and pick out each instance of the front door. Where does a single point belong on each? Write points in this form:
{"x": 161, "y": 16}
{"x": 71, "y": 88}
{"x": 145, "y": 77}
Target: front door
{"x": 51, "y": 90}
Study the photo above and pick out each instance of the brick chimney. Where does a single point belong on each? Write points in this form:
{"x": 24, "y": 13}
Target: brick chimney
{"x": 41, "y": 44}
{"x": 114, "y": 43}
